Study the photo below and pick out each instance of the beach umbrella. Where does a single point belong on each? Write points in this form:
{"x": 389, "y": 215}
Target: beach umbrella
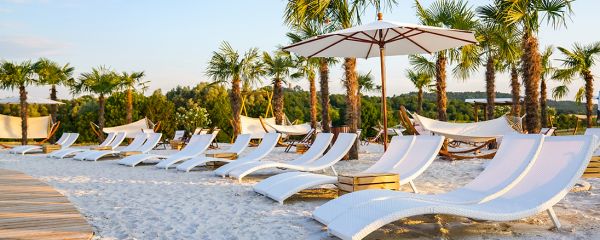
{"x": 381, "y": 38}
{"x": 30, "y": 100}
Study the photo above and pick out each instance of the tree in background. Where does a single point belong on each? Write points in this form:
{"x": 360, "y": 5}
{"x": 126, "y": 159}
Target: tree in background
{"x": 19, "y": 76}
{"x": 420, "y": 80}
{"x": 448, "y": 14}
{"x": 227, "y": 66}
{"x": 528, "y": 15}
{"x": 306, "y": 67}
{"x": 101, "y": 81}
{"x": 579, "y": 62}
{"x": 129, "y": 82}
{"x": 547, "y": 71}
{"x": 278, "y": 67}
{"x": 51, "y": 73}
{"x": 365, "y": 85}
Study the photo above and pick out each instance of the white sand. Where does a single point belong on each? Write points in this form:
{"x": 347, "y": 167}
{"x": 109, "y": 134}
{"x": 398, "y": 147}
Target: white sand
{"x": 148, "y": 203}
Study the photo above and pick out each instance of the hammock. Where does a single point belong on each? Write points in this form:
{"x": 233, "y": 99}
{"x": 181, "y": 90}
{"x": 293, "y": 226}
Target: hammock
{"x": 37, "y": 127}
{"x": 468, "y": 132}
{"x": 291, "y": 130}
{"x": 254, "y": 127}
{"x": 131, "y": 129}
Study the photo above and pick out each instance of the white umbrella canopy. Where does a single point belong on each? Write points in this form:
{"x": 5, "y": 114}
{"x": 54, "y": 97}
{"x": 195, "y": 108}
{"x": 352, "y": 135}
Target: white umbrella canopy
{"x": 30, "y": 100}
{"x": 379, "y": 38}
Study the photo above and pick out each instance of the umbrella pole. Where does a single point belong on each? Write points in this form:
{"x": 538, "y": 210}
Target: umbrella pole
{"x": 383, "y": 97}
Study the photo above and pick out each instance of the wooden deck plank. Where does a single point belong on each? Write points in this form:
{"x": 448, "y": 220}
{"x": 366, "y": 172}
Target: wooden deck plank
{"x": 31, "y": 209}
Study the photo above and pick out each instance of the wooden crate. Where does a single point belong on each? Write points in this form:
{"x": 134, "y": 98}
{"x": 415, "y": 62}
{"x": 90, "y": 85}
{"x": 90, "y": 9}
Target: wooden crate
{"x": 100, "y": 148}
{"x": 129, "y": 153}
{"x": 357, "y": 182}
{"x": 176, "y": 144}
{"x": 301, "y": 148}
{"x": 593, "y": 169}
{"x": 48, "y": 148}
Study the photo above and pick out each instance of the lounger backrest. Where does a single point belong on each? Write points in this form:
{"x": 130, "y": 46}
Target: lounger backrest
{"x": 317, "y": 149}
{"x": 64, "y": 137}
{"x": 396, "y": 152}
{"x": 560, "y": 164}
{"x": 119, "y": 138}
{"x": 342, "y": 145}
{"x": 513, "y": 160}
{"x": 594, "y": 132}
{"x": 198, "y": 144}
{"x": 70, "y": 140}
{"x": 137, "y": 142}
{"x": 108, "y": 139}
{"x": 150, "y": 143}
{"x": 424, "y": 150}
{"x": 241, "y": 142}
{"x": 179, "y": 135}
{"x": 269, "y": 141}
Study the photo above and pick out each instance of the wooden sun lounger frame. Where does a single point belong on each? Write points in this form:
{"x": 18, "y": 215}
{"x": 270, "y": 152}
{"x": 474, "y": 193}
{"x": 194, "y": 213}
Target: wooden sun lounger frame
{"x": 449, "y": 155}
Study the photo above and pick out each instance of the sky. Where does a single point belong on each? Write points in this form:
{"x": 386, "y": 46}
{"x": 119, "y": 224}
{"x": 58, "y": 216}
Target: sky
{"x": 172, "y": 41}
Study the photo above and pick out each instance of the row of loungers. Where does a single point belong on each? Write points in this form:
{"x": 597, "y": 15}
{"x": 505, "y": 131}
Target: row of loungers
{"x": 529, "y": 174}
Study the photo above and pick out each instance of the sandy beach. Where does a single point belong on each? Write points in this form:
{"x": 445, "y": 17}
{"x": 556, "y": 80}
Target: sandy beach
{"x": 148, "y": 203}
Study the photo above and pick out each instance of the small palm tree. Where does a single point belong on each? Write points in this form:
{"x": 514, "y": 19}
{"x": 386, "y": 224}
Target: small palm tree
{"x": 19, "y": 76}
{"x": 129, "y": 82}
{"x": 101, "y": 81}
{"x": 51, "y": 73}
{"x": 579, "y": 62}
{"x": 450, "y": 14}
{"x": 227, "y": 66}
{"x": 307, "y": 67}
{"x": 421, "y": 80}
{"x": 547, "y": 71}
{"x": 278, "y": 67}
{"x": 365, "y": 85}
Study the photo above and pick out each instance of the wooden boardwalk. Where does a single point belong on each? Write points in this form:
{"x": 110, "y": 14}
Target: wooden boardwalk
{"x": 31, "y": 209}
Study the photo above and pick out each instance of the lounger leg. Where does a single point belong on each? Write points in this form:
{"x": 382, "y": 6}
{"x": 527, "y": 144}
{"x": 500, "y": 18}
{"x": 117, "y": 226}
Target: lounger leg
{"x": 334, "y": 172}
{"x": 414, "y": 188}
{"x": 553, "y": 217}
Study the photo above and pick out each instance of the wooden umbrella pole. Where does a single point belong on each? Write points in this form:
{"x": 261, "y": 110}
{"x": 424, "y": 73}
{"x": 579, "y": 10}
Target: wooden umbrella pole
{"x": 383, "y": 98}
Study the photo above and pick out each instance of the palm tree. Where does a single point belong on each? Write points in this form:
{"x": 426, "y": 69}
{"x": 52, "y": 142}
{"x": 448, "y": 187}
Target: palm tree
{"x": 365, "y": 84}
{"x": 101, "y": 81}
{"x": 19, "y": 76}
{"x": 278, "y": 67}
{"x": 528, "y": 16}
{"x": 307, "y": 67}
{"x": 307, "y": 30}
{"x": 547, "y": 70}
{"x": 129, "y": 82}
{"x": 227, "y": 66}
{"x": 51, "y": 73}
{"x": 344, "y": 13}
{"x": 421, "y": 80}
{"x": 449, "y": 14}
{"x": 579, "y": 62}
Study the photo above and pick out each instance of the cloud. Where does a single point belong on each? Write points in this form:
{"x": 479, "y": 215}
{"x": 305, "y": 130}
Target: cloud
{"x": 30, "y": 47}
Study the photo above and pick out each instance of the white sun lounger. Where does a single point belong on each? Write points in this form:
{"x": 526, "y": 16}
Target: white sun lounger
{"x": 65, "y": 141}
{"x": 151, "y": 141}
{"x": 319, "y": 146}
{"x": 69, "y": 151}
{"x": 267, "y": 145}
{"x": 116, "y": 140}
{"x": 407, "y": 156}
{"x": 560, "y": 164}
{"x": 197, "y": 145}
{"x": 241, "y": 143}
{"x": 512, "y": 162}
{"x": 137, "y": 142}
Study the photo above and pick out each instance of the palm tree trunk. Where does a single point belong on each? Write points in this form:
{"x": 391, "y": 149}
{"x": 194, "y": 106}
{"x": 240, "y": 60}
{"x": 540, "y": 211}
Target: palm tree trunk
{"x": 324, "y": 84}
{"x": 440, "y": 78}
{"x": 490, "y": 88}
{"x": 420, "y": 101}
{"x": 101, "y": 103}
{"x": 358, "y": 111}
{"x": 236, "y": 105}
{"x": 515, "y": 91}
{"x": 23, "y": 113}
{"x": 129, "y": 117}
{"x": 543, "y": 103}
{"x": 313, "y": 101}
{"x": 589, "y": 92}
{"x": 351, "y": 101}
{"x": 531, "y": 70}
{"x": 278, "y": 100}
{"x": 53, "y": 107}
